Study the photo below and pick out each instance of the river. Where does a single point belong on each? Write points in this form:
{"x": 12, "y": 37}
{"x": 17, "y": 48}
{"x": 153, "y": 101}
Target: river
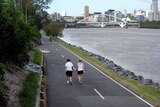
{"x": 137, "y": 50}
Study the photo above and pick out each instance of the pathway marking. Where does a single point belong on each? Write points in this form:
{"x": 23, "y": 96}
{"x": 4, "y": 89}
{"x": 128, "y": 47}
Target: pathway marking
{"x": 99, "y": 93}
{"x": 62, "y": 56}
{"x": 45, "y": 51}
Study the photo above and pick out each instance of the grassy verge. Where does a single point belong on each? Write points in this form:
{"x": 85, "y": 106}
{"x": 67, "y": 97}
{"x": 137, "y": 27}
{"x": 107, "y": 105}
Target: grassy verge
{"x": 28, "y": 94}
{"x": 29, "y": 91}
{"x": 37, "y": 57}
{"x": 148, "y": 93}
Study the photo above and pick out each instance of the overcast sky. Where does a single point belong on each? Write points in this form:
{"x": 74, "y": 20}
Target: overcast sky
{"x": 76, "y": 7}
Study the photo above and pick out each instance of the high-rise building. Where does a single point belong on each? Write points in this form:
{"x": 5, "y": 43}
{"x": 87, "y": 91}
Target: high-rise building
{"x": 154, "y": 9}
{"x": 86, "y": 11}
{"x": 63, "y": 13}
{"x": 150, "y": 16}
{"x": 55, "y": 16}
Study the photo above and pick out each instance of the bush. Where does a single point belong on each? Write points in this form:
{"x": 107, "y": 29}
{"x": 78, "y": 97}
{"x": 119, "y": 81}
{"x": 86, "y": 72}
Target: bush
{"x": 16, "y": 37}
{"x": 30, "y": 89}
{"x": 150, "y": 24}
{"x": 3, "y": 99}
{"x": 53, "y": 28}
{"x": 37, "y": 57}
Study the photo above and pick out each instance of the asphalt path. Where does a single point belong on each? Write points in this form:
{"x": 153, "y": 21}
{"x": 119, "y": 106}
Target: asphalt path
{"x": 97, "y": 90}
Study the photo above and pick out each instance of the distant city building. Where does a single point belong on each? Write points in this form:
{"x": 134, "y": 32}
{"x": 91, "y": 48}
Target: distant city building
{"x": 86, "y": 11}
{"x": 139, "y": 12}
{"x": 129, "y": 15}
{"x": 98, "y": 18}
{"x": 109, "y": 12}
{"x": 140, "y": 17}
{"x": 55, "y": 16}
{"x": 150, "y": 16}
{"x": 154, "y": 9}
{"x": 97, "y": 13}
{"x": 63, "y": 13}
{"x": 118, "y": 14}
{"x": 69, "y": 19}
{"x": 125, "y": 12}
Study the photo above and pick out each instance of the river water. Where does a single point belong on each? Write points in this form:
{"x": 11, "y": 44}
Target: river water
{"x": 137, "y": 50}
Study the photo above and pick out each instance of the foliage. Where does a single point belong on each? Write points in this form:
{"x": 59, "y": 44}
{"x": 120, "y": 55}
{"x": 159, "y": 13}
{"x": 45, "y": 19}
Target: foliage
{"x": 3, "y": 87}
{"x": 79, "y": 18}
{"x": 16, "y": 37}
{"x": 36, "y": 14}
{"x": 37, "y": 57}
{"x": 3, "y": 99}
{"x": 30, "y": 89}
{"x": 53, "y": 28}
{"x": 150, "y": 24}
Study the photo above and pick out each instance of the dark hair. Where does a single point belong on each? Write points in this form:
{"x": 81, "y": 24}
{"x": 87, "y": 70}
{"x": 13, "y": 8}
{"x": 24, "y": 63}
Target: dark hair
{"x": 80, "y": 60}
{"x": 68, "y": 60}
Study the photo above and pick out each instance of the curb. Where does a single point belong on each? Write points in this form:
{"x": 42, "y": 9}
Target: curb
{"x": 41, "y": 100}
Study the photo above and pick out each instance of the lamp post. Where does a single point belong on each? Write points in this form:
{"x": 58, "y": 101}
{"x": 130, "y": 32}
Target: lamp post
{"x": 26, "y": 10}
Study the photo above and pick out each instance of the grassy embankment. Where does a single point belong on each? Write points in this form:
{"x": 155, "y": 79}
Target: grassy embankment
{"x": 29, "y": 91}
{"x": 148, "y": 93}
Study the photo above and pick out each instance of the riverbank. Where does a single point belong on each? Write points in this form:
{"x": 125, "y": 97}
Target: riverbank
{"x": 134, "y": 49}
{"x": 144, "y": 89}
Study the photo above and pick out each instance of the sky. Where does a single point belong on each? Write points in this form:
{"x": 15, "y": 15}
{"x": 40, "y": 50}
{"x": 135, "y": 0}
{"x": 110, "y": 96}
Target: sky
{"x": 76, "y": 7}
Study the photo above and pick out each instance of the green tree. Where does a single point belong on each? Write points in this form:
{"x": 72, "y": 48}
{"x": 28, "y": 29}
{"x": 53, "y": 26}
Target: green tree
{"x": 16, "y": 37}
{"x": 53, "y": 28}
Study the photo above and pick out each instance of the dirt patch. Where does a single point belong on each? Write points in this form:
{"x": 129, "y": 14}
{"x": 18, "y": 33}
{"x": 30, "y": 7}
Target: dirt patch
{"x": 14, "y": 78}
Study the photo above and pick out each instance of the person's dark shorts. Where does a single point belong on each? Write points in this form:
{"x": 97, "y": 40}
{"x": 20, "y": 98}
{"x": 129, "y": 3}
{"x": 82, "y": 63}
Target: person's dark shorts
{"x": 80, "y": 72}
{"x": 69, "y": 73}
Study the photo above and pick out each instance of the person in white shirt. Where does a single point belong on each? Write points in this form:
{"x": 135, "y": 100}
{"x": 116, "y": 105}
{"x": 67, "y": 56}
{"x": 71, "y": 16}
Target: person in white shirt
{"x": 81, "y": 71}
{"x": 69, "y": 70}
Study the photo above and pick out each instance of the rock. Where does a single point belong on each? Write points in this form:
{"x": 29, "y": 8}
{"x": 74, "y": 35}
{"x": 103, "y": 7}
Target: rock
{"x": 156, "y": 85}
{"x": 140, "y": 79}
{"x": 147, "y": 81}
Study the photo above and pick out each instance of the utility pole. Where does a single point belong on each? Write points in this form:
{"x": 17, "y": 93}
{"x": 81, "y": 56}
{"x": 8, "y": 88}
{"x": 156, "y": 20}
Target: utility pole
{"x": 26, "y": 11}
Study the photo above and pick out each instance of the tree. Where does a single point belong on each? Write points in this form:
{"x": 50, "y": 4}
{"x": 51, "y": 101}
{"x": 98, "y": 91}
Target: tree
{"x": 16, "y": 37}
{"x": 53, "y": 28}
{"x": 36, "y": 14}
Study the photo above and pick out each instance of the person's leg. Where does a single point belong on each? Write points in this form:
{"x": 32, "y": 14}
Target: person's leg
{"x": 67, "y": 76}
{"x": 70, "y": 77}
{"x": 79, "y": 78}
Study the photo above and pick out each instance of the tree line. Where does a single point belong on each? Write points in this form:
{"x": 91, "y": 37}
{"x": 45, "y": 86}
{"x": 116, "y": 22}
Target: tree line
{"x": 150, "y": 24}
{"x": 20, "y": 23}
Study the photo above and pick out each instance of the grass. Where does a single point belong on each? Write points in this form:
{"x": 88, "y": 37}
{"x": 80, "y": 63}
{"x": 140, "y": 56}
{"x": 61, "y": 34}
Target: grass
{"x": 29, "y": 91}
{"x": 148, "y": 93}
{"x": 37, "y": 57}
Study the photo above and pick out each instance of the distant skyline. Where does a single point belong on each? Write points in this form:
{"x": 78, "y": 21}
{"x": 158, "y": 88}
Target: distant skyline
{"x": 76, "y": 7}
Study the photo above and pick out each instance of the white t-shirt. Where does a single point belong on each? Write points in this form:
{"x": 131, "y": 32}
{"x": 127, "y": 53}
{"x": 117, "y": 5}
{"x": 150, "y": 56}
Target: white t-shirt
{"x": 69, "y": 66}
{"x": 80, "y": 66}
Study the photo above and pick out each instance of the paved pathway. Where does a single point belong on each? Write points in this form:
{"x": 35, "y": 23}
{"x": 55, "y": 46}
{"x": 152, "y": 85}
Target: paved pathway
{"x": 97, "y": 89}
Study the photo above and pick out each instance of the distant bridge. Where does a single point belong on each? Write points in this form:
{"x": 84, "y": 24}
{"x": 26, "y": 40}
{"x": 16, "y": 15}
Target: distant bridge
{"x": 103, "y": 20}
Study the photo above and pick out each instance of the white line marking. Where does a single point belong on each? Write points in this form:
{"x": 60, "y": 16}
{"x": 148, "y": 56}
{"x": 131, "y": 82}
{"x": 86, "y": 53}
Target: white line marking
{"x": 99, "y": 93}
{"x": 56, "y": 49}
{"x": 110, "y": 78}
{"x": 44, "y": 51}
{"x": 62, "y": 56}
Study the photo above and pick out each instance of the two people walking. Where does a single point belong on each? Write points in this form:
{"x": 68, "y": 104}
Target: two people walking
{"x": 69, "y": 67}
